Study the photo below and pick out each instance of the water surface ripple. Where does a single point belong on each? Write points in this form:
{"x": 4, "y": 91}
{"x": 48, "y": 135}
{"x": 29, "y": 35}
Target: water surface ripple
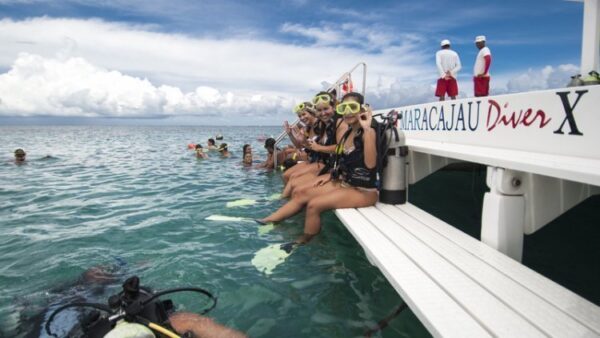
{"x": 137, "y": 194}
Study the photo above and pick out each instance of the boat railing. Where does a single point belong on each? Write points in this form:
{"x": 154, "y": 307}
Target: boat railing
{"x": 337, "y": 86}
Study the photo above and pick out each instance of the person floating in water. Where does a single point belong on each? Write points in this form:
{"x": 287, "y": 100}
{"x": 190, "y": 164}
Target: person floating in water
{"x": 200, "y": 151}
{"x": 20, "y": 156}
{"x": 247, "y": 151}
{"x": 223, "y": 150}
{"x": 211, "y": 144}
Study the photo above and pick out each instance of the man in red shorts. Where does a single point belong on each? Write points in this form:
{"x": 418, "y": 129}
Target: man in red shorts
{"x": 481, "y": 78}
{"x": 448, "y": 65}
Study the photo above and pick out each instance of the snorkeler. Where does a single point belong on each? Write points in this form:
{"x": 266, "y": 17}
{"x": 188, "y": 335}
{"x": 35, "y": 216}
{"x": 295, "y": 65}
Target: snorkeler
{"x": 200, "y": 151}
{"x": 303, "y": 131}
{"x": 223, "y": 150}
{"x": 352, "y": 182}
{"x": 20, "y": 156}
{"x": 211, "y": 144}
{"x": 329, "y": 131}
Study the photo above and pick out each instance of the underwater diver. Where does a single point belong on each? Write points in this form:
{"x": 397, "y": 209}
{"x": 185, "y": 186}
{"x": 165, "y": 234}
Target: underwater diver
{"x": 330, "y": 130}
{"x": 352, "y": 181}
{"x": 92, "y": 286}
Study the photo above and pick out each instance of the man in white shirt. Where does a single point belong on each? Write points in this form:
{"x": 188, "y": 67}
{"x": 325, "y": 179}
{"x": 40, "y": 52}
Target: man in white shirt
{"x": 481, "y": 75}
{"x": 448, "y": 65}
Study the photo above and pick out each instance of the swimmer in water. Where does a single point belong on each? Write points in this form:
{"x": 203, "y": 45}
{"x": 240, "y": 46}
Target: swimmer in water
{"x": 223, "y": 150}
{"x": 211, "y": 144}
{"x": 247, "y": 159}
{"x": 200, "y": 152}
{"x": 20, "y": 156}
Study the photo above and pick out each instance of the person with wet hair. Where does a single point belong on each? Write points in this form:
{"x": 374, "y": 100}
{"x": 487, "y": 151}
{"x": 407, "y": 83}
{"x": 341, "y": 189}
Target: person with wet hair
{"x": 352, "y": 181}
{"x": 200, "y": 152}
{"x": 269, "y": 163}
{"x": 20, "y": 155}
{"x": 223, "y": 150}
{"x": 211, "y": 145}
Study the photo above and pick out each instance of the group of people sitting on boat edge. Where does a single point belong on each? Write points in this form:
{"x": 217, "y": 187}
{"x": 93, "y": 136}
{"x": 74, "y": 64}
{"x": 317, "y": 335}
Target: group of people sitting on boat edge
{"x": 448, "y": 65}
{"x": 333, "y": 161}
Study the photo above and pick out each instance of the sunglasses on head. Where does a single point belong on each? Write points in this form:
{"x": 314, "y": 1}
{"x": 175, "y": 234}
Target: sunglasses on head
{"x": 323, "y": 98}
{"x": 300, "y": 107}
{"x": 347, "y": 108}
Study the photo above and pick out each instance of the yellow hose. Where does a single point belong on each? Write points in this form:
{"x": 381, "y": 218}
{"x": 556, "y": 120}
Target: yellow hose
{"x": 162, "y": 330}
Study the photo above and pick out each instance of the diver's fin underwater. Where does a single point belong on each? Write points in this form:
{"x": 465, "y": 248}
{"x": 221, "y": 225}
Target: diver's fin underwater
{"x": 243, "y": 202}
{"x": 240, "y": 203}
{"x": 223, "y": 218}
{"x": 267, "y": 259}
{"x": 263, "y": 229}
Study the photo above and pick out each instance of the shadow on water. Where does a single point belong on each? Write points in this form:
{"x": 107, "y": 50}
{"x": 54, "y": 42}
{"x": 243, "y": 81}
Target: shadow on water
{"x": 565, "y": 250}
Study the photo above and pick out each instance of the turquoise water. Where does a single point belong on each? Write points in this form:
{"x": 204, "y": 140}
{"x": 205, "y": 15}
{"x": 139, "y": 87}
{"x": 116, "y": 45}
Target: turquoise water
{"x": 137, "y": 194}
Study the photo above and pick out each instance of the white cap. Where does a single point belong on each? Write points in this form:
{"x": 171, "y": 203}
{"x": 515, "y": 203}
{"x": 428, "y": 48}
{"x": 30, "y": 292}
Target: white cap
{"x": 445, "y": 42}
{"x": 480, "y": 38}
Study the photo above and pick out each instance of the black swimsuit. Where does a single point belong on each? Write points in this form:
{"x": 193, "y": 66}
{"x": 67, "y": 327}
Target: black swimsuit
{"x": 352, "y": 165}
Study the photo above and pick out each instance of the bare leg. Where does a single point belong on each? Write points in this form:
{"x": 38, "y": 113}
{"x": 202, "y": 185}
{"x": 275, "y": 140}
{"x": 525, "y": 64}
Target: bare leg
{"x": 336, "y": 199}
{"x": 293, "y": 184}
{"x": 288, "y": 173}
{"x": 298, "y": 202}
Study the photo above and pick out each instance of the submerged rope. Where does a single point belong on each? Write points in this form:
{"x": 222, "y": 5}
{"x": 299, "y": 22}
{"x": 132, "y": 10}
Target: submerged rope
{"x": 382, "y": 324}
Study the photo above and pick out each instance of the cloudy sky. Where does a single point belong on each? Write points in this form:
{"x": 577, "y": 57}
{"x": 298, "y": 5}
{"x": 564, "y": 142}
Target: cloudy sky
{"x": 231, "y": 62}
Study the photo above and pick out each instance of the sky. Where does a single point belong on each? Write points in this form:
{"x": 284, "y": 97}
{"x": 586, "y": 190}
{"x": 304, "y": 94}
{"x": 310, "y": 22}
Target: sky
{"x": 225, "y": 62}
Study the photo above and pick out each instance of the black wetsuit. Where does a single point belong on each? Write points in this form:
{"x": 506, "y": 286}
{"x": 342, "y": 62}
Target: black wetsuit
{"x": 352, "y": 165}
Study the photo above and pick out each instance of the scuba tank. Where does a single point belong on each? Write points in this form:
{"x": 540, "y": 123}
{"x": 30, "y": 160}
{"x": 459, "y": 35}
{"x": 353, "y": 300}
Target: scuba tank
{"x": 394, "y": 181}
{"x": 576, "y": 81}
{"x": 593, "y": 78}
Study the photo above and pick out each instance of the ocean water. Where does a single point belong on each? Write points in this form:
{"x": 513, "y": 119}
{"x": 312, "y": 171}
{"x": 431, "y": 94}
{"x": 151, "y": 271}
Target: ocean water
{"x": 134, "y": 199}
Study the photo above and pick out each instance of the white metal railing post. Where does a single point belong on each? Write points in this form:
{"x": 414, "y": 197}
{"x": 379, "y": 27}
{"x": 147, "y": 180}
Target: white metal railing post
{"x": 590, "y": 40}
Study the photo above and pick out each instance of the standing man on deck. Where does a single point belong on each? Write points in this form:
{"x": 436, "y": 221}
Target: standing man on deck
{"x": 448, "y": 65}
{"x": 481, "y": 78}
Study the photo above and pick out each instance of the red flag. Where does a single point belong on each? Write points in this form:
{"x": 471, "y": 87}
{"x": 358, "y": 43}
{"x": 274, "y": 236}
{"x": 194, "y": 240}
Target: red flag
{"x": 347, "y": 86}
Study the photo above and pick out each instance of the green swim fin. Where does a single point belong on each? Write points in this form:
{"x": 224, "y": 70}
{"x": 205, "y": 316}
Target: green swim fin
{"x": 274, "y": 197}
{"x": 266, "y": 228}
{"x": 267, "y": 259}
{"x": 240, "y": 203}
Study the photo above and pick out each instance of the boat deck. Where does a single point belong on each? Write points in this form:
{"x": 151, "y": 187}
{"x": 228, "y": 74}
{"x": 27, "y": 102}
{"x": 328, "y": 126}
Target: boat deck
{"x": 460, "y": 287}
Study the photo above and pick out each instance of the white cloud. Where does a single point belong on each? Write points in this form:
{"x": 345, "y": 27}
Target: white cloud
{"x": 357, "y": 35}
{"x": 97, "y": 64}
{"x": 73, "y": 67}
{"x": 73, "y": 87}
{"x": 544, "y": 78}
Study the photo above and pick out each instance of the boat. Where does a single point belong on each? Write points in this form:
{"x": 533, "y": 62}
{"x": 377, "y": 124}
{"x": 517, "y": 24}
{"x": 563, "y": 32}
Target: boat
{"x": 540, "y": 151}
